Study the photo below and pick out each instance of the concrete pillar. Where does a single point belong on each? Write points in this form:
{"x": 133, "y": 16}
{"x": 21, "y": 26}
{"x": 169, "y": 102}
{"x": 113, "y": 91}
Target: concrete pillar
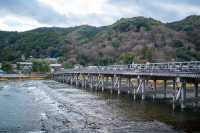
{"x": 96, "y": 81}
{"x": 76, "y": 78}
{"x": 165, "y": 88}
{"x": 129, "y": 85}
{"x": 196, "y": 89}
{"x": 82, "y": 81}
{"x": 143, "y": 89}
{"x": 118, "y": 92}
{"x": 174, "y": 93}
{"x": 91, "y": 81}
{"x": 134, "y": 93}
{"x": 85, "y": 81}
{"x": 119, "y": 85}
{"x": 154, "y": 89}
{"x": 102, "y": 83}
{"x": 183, "y": 95}
{"x": 196, "y": 92}
{"x": 111, "y": 91}
{"x": 107, "y": 81}
{"x": 147, "y": 83}
{"x": 120, "y": 82}
{"x": 63, "y": 80}
{"x": 112, "y": 85}
{"x": 70, "y": 80}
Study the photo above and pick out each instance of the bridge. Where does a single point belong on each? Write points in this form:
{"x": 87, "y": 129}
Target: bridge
{"x": 177, "y": 82}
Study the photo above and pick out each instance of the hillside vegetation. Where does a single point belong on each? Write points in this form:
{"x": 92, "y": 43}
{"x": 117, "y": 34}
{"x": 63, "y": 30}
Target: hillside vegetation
{"x": 139, "y": 39}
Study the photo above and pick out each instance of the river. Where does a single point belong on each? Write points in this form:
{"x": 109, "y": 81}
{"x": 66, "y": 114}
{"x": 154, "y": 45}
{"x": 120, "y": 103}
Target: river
{"x": 51, "y": 107}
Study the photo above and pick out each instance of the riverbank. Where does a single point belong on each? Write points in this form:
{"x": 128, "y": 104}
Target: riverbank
{"x": 4, "y": 77}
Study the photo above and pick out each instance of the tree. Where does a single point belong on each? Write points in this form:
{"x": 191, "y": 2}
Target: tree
{"x": 7, "y": 67}
{"x": 127, "y": 58}
{"x": 40, "y": 66}
{"x": 147, "y": 53}
{"x": 67, "y": 65}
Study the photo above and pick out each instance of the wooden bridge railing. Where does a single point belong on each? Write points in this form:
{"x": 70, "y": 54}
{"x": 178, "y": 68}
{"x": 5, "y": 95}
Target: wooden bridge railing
{"x": 192, "y": 67}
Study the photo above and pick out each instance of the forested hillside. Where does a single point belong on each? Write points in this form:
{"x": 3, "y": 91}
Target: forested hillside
{"x": 139, "y": 39}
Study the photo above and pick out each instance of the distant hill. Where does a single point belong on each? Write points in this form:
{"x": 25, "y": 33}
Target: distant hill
{"x": 139, "y": 38}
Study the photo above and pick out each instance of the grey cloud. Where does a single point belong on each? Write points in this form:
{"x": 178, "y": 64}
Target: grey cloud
{"x": 32, "y": 9}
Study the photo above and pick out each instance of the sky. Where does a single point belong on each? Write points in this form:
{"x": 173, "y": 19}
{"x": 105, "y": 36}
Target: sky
{"x": 23, "y": 15}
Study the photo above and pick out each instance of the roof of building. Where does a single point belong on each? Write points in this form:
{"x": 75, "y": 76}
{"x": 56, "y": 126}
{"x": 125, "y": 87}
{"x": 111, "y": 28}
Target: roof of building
{"x": 55, "y": 65}
{"x": 25, "y": 63}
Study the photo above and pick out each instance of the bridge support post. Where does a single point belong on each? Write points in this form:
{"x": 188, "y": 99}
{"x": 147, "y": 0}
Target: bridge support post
{"x": 129, "y": 85}
{"x": 82, "y": 81}
{"x": 112, "y": 85}
{"x": 77, "y": 78}
{"x": 143, "y": 89}
{"x": 165, "y": 88}
{"x": 154, "y": 89}
{"x": 63, "y": 78}
{"x": 119, "y": 85}
{"x": 102, "y": 83}
{"x": 70, "y": 80}
{"x": 91, "y": 81}
{"x": 96, "y": 82}
{"x": 196, "y": 92}
{"x": 107, "y": 81}
{"x": 174, "y": 93}
{"x": 86, "y": 81}
{"x": 183, "y": 95}
{"x": 134, "y": 91}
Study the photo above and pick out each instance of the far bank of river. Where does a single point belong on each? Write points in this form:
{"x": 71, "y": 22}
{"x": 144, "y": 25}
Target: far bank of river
{"x": 4, "y": 77}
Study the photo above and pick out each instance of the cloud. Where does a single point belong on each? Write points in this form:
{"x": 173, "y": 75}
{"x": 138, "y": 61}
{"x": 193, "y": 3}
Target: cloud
{"x": 180, "y": 10}
{"x": 32, "y": 9}
{"x": 28, "y": 14}
{"x": 19, "y": 23}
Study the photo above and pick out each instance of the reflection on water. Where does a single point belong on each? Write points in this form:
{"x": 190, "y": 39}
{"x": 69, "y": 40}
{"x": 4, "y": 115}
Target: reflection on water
{"x": 47, "y": 106}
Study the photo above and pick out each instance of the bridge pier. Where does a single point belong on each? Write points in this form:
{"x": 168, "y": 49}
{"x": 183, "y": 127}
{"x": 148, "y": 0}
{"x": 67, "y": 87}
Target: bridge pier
{"x": 174, "y": 94}
{"x": 112, "y": 85}
{"x": 77, "y": 80}
{"x": 183, "y": 95}
{"x": 154, "y": 88}
{"x": 119, "y": 85}
{"x": 196, "y": 92}
{"x": 129, "y": 85}
{"x": 143, "y": 89}
{"x": 102, "y": 83}
{"x": 165, "y": 88}
{"x": 91, "y": 81}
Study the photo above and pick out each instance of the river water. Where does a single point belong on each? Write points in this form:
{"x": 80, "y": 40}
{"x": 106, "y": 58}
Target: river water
{"x": 51, "y": 107}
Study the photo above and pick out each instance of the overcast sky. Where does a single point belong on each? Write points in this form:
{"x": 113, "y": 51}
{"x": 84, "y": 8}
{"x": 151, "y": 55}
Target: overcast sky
{"x": 22, "y": 15}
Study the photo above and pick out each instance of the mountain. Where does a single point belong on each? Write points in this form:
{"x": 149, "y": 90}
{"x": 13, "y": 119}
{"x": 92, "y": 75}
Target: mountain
{"x": 140, "y": 39}
{"x": 190, "y": 26}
